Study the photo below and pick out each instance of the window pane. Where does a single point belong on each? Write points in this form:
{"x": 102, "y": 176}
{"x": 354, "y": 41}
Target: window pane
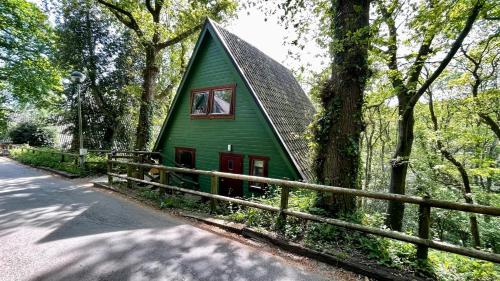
{"x": 186, "y": 159}
{"x": 258, "y": 168}
{"x": 222, "y": 102}
{"x": 200, "y": 103}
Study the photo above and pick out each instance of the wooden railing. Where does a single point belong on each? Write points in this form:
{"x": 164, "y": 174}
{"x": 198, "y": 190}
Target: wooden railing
{"x": 139, "y": 156}
{"x": 64, "y": 155}
{"x": 422, "y": 241}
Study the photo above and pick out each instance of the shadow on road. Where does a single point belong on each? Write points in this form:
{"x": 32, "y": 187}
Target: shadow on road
{"x": 179, "y": 253}
{"x": 94, "y": 236}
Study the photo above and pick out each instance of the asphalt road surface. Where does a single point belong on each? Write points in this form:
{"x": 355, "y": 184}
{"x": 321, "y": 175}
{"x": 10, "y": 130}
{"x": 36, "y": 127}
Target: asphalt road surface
{"x": 56, "y": 229}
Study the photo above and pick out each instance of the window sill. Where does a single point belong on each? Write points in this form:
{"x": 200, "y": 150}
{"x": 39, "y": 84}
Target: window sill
{"x": 212, "y": 116}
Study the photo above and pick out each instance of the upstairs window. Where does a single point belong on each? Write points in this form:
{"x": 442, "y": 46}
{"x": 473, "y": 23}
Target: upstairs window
{"x": 214, "y": 102}
{"x": 258, "y": 167}
{"x": 200, "y": 103}
{"x": 222, "y": 101}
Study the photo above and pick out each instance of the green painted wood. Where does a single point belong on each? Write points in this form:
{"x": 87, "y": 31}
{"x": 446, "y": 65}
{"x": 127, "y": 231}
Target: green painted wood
{"x": 248, "y": 133}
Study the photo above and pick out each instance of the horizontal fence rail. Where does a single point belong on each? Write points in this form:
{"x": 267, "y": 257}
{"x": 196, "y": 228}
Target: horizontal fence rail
{"x": 472, "y": 208}
{"x": 423, "y": 242}
{"x": 82, "y": 160}
{"x": 124, "y": 151}
{"x": 49, "y": 152}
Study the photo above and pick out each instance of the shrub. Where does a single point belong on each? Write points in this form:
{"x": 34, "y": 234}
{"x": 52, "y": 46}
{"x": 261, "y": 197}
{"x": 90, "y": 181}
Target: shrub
{"x": 32, "y": 134}
{"x": 46, "y": 158}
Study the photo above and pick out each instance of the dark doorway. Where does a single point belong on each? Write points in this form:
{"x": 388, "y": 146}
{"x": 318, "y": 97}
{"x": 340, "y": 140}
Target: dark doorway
{"x": 231, "y": 163}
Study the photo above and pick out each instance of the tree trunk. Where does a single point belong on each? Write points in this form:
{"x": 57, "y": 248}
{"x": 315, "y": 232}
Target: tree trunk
{"x": 337, "y": 156}
{"x": 400, "y": 161}
{"x": 143, "y": 135}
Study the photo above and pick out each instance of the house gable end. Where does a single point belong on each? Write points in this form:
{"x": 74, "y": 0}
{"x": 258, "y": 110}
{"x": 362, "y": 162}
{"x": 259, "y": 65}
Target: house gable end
{"x": 247, "y": 112}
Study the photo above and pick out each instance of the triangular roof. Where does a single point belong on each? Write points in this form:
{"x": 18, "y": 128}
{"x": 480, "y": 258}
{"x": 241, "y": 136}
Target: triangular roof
{"x": 283, "y": 102}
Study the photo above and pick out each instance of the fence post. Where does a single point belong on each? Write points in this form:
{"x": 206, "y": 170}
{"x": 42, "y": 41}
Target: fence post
{"x": 163, "y": 180}
{"x": 110, "y": 170}
{"x": 141, "y": 169}
{"x": 62, "y": 158}
{"x": 281, "y": 221}
{"x": 81, "y": 161}
{"x": 214, "y": 189}
{"x": 129, "y": 174}
{"x": 424, "y": 223}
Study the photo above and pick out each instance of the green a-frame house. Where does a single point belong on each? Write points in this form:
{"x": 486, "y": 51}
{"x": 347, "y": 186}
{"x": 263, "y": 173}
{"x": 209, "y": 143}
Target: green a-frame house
{"x": 236, "y": 110}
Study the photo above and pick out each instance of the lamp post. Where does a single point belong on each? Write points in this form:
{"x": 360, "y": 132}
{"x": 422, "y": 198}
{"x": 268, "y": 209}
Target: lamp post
{"x": 77, "y": 78}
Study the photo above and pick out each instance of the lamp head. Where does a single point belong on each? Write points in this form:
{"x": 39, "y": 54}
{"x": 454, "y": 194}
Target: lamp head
{"x": 77, "y": 77}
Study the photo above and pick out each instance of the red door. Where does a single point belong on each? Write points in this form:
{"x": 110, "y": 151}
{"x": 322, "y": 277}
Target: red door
{"x": 231, "y": 163}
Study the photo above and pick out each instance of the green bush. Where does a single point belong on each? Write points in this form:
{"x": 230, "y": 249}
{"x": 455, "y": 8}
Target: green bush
{"x": 33, "y": 134}
{"x": 43, "y": 158}
{"x": 455, "y": 267}
{"x": 47, "y": 157}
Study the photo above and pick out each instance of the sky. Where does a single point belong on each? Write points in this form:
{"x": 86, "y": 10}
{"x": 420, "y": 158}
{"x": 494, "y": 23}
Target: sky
{"x": 269, "y": 37}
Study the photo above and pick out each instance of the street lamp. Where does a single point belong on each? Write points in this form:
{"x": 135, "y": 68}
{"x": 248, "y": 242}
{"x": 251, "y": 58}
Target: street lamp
{"x": 77, "y": 78}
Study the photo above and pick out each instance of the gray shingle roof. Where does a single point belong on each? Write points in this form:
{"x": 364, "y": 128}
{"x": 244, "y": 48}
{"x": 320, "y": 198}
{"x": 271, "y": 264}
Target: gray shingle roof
{"x": 284, "y": 102}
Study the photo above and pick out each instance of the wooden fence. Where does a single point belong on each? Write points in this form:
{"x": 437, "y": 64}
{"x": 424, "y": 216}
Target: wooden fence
{"x": 63, "y": 158}
{"x": 423, "y": 241}
{"x": 139, "y": 156}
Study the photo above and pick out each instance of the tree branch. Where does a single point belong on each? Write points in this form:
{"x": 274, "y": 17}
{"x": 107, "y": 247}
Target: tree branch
{"x": 178, "y": 38}
{"x": 491, "y": 123}
{"x": 122, "y": 15}
{"x": 158, "y": 6}
{"x": 453, "y": 50}
{"x": 392, "y": 50}
{"x": 150, "y": 7}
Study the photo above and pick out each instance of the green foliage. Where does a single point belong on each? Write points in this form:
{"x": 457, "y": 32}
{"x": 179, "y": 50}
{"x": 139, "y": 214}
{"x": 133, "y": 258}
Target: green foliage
{"x": 454, "y": 267}
{"x": 4, "y": 118}
{"x": 183, "y": 202}
{"x": 33, "y": 134}
{"x": 112, "y": 63}
{"x": 49, "y": 157}
{"x": 27, "y": 70}
{"x": 151, "y": 195}
{"x": 46, "y": 159}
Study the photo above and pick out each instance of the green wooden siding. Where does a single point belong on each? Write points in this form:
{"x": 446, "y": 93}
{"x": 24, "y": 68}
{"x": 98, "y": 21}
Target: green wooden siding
{"x": 248, "y": 133}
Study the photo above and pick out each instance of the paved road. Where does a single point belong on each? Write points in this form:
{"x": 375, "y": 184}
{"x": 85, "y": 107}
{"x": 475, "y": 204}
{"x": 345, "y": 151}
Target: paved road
{"x": 53, "y": 229}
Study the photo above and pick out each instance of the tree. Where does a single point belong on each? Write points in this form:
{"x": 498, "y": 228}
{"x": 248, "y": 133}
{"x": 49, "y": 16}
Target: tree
{"x": 33, "y": 134}
{"x": 343, "y": 28}
{"x": 338, "y": 126}
{"x": 159, "y": 25}
{"x": 466, "y": 189}
{"x": 26, "y": 48}
{"x": 409, "y": 87}
{"x": 481, "y": 63}
{"x": 85, "y": 42}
